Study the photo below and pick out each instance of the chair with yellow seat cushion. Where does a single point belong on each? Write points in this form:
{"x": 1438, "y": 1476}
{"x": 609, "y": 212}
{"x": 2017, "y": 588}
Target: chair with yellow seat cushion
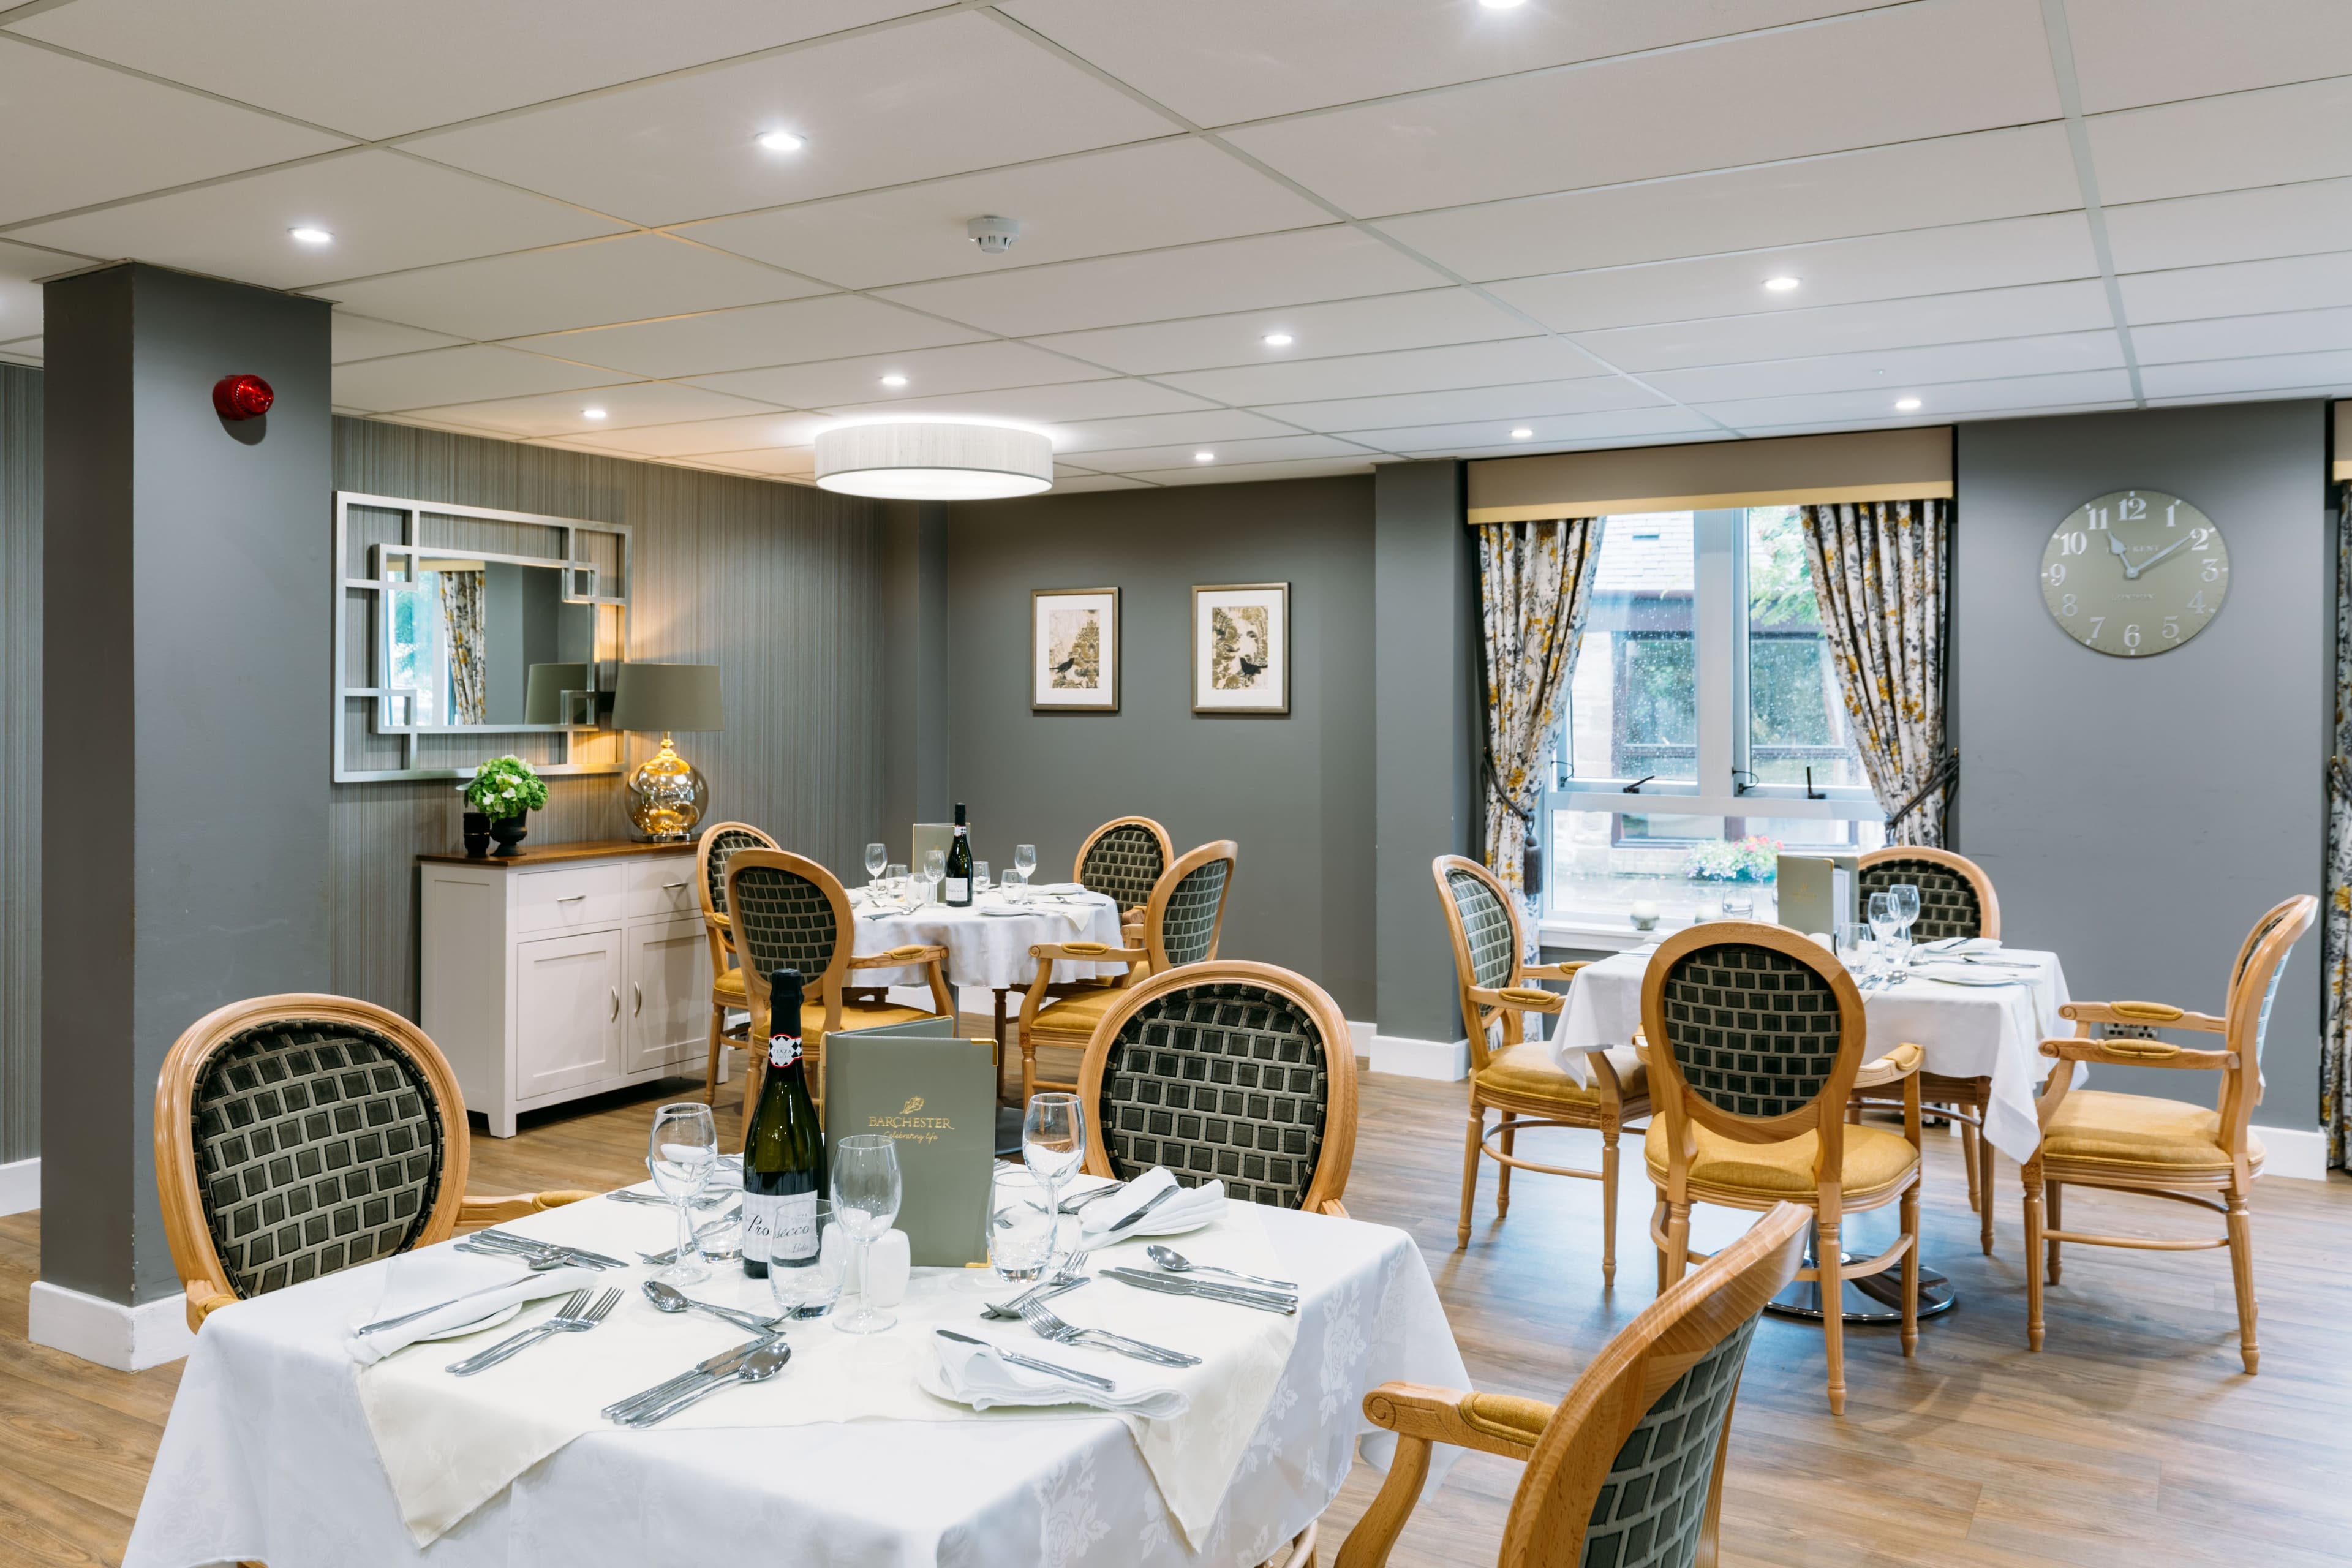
{"x": 786, "y": 911}
{"x": 1755, "y": 1041}
{"x": 2162, "y": 1148}
{"x": 1183, "y": 919}
{"x": 718, "y": 842}
{"x": 1516, "y": 1077}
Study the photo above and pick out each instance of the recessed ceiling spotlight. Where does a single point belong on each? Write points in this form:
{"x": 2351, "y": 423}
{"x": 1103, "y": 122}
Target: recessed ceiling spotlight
{"x": 893, "y": 379}
{"x": 1522, "y": 434}
{"x": 309, "y": 235}
{"x": 1906, "y": 404}
{"x": 781, "y": 141}
{"x": 1204, "y": 457}
{"x": 591, "y": 413}
{"x": 1278, "y": 340}
{"x": 1780, "y": 285}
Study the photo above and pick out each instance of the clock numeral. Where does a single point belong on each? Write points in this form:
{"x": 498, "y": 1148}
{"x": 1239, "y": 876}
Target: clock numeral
{"x": 2066, "y": 607}
{"x": 2098, "y": 517}
{"x": 2131, "y": 636}
{"x": 2056, "y": 575}
{"x": 2212, "y": 572}
{"x": 2131, "y": 509}
{"x": 2196, "y": 603}
{"x": 2198, "y": 538}
{"x": 2074, "y": 543}
{"x": 2172, "y": 628}
{"x": 2169, "y": 520}
{"x": 2096, "y": 622}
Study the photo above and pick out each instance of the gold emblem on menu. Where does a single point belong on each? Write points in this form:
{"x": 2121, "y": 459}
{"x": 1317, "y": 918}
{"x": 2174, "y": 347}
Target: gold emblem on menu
{"x": 911, "y": 1106}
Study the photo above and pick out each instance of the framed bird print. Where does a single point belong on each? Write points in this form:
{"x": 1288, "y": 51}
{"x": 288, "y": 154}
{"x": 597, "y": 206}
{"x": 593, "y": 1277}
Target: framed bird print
{"x": 1241, "y": 648}
{"x": 1074, "y": 650}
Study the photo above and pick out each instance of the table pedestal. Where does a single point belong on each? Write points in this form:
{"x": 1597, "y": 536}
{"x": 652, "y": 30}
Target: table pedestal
{"x": 1877, "y": 1299}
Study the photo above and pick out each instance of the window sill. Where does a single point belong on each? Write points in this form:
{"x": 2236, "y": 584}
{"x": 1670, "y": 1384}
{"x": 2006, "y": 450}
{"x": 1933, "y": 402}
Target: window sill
{"x": 1599, "y": 936}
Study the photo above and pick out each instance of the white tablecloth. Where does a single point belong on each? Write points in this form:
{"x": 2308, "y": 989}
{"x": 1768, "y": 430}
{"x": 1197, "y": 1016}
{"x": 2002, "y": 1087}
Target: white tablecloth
{"x": 1966, "y": 1031}
{"x": 268, "y": 1455}
{"x": 985, "y": 950}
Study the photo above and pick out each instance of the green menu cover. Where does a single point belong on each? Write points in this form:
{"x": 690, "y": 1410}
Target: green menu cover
{"x": 936, "y": 1094}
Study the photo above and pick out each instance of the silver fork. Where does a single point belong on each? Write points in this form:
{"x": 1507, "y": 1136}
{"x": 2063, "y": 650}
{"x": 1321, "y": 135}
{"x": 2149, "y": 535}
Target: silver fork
{"x": 1048, "y": 1327}
{"x": 569, "y": 1318}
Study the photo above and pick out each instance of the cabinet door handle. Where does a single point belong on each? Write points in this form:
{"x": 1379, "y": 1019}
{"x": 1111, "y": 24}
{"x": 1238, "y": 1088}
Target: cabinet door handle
{"x": 637, "y": 1005}
{"x": 669, "y": 886}
{"x": 616, "y": 1002}
{"x": 574, "y": 898}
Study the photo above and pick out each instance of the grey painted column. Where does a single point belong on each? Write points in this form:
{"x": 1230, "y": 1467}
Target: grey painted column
{"x": 185, "y": 777}
{"x": 1428, "y": 726}
{"x": 914, "y": 676}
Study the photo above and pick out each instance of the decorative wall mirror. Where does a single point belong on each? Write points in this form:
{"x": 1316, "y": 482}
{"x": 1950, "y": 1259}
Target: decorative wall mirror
{"x": 466, "y": 633}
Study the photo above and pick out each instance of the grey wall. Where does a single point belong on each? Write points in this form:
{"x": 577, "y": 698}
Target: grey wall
{"x": 20, "y": 762}
{"x": 2137, "y": 815}
{"x": 1295, "y": 793}
{"x": 916, "y": 639}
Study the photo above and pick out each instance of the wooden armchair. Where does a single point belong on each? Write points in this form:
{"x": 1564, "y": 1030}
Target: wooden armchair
{"x": 727, "y": 994}
{"x": 1515, "y": 1077}
{"x": 1124, "y": 859}
{"x": 1271, "y": 1112}
{"x": 786, "y": 911}
{"x": 2162, "y": 1148}
{"x": 1181, "y": 921}
{"x": 1754, "y": 1040}
{"x": 300, "y": 1134}
{"x": 1627, "y": 1468}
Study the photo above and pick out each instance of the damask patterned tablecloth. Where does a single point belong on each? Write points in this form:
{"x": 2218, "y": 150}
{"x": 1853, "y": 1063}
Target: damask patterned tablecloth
{"x": 268, "y": 1455}
{"x": 986, "y": 948}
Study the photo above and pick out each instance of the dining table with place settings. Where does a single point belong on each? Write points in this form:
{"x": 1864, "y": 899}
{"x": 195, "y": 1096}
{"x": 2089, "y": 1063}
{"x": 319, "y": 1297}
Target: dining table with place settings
{"x": 988, "y": 942}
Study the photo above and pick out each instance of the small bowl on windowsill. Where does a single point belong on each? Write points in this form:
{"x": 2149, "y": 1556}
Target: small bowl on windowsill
{"x": 1644, "y": 915}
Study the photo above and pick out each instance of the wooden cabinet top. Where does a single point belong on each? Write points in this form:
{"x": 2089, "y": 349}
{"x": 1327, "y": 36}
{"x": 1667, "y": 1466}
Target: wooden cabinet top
{"x": 533, "y": 856}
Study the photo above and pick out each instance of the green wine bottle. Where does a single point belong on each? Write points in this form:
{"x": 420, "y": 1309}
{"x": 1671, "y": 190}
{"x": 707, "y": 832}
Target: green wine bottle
{"x": 783, "y": 1156}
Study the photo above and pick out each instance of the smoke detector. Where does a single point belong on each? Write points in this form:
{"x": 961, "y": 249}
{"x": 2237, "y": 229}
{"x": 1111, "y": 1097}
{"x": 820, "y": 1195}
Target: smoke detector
{"x": 995, "y": 235}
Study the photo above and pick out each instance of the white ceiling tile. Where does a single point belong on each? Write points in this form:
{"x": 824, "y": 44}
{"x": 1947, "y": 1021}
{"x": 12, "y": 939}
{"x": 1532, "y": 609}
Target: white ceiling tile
{"x": 1226, "y": 454}
{"x": 1252, "y": 473}
{"x": 1506, "y": 405}
{"x": 2241, "y": 337}
{"x": 363, "y": 337}
{"x": 1303, "y": 265}
{"x": 1551, "y": 432}
{"x": 2330, "y": 371}
{"x": 2034, "y": 310}
{"x": 439, "y": 376}
{"x": 2096, "y": 350}
{"x": 1409, "y": 370}
{"x": 1080, "y": 484}
{"x": 2239, "y": 287}
{"x": 1882, "y": 267}
{"x": 942, "y": 96}
{"x": 2231, "y": 225}
{"x": 1177, "y": 190}
{"x": 1161, "y": 429}
{"x": 779, "y": 462}
{"x": 930, "y": 373}
{"x": 1937, "y": 403}
{"x": 2130, "y": 52}
{"x": 629, "y": 278}
{"x": 2269, "y": 137}
{"x": 429, "y": 62}
{"x": 1418, "y": 320}
{"x": 1114, "y": 399}
{"x": 832, "y": 326}
{"x": 1676, "y": 113}
{"x": 1216, "y": 61}
{"x": 2020, "y": 411}
{"x": 384, "y": 210}
{"x": 80, "y": 133}
{"x": 1670, "y": 438}
{"x": 560, "y": 413}
{"x": 696, "y": 437}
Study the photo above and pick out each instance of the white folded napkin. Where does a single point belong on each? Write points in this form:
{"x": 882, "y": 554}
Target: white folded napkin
{"x": 1198, "y": 1206}
{"x": 417, "y": 1280}
{"x": 1952, "y": 945}
{"x": 1055, "y": 889}
{"x": 978, "y": 1376}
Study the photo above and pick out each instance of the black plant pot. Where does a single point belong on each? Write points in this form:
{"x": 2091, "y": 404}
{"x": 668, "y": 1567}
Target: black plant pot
{"x": 509, "y": 831}
{"x": 477, "y": 836}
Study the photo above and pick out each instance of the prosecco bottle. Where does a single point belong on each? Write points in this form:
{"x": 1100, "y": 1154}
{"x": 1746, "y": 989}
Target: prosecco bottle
{"x": 784, "y": 1154}
{"x": 957, "y": 892}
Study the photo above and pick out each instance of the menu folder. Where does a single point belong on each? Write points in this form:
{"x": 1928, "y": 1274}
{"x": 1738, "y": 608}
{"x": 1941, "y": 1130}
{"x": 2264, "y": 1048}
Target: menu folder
{"x": 935, "y": 1094}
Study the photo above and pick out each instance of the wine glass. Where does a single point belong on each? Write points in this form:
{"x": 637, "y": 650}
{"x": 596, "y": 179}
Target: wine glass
{"x": 865, "y": 1192}
{"x": 894, "y": 880}
{"x": 877, "y": 856}
{"x": 979, "y": 875}
{"x": 1907, "y": 909}
{"x": 935, "y": 865}
{"x": 1053, "y": 1145}
{"x": 1886, "y": 926}
{"x": 1853, "y": 949}
{"x": 1024, "y": 859}
{"x": 681, "y": 1154}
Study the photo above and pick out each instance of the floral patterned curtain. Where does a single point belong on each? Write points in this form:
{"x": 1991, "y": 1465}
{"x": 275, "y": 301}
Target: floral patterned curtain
{"x": 2336, "y": 951}
{"x": 462, "y": 615}
{"x": 1534, "y": 582}
{"x": 1881, "y": 572}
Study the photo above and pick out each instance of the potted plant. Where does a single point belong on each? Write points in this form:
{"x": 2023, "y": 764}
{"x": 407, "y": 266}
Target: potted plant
{"x": 502, "y": 792}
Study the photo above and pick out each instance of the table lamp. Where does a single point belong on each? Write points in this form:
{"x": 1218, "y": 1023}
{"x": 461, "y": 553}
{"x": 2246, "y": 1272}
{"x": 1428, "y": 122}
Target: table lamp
{"x": 666, "y": 795}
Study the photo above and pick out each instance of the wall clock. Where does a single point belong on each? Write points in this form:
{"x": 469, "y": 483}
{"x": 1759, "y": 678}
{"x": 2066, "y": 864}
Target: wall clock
{"x": 2135, "y": 572}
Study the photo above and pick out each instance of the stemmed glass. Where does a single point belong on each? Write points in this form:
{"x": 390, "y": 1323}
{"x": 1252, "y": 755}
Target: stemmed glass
{"x": 681, "y": 1154}
{"x": 1024, "y": 859}
{"x": 877, "y": 856}
{"x": 979, "y": 875}
{"x": 1886, "y": 925}
{"x": 1853, "y": 950}
{"x": 935, "y": 865}
{"x": 895, "y": 879}
{"x": 1907, "y": 909}
{"x": 866, "y": 1192}
{"x": 1053, "y": 1145}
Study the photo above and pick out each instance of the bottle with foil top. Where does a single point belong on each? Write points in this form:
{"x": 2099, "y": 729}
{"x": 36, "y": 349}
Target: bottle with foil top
{"x": 784, "y": 1152}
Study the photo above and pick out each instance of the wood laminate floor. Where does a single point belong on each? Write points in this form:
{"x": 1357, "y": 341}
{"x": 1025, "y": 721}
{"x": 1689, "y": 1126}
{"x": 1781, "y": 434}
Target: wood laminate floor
{"x": 2133, "y": 1440}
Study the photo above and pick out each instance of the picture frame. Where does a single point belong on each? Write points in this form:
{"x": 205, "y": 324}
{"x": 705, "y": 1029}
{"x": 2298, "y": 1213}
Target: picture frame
{"x": 1241, "y": 648}
{"x": 1073, "y": 635}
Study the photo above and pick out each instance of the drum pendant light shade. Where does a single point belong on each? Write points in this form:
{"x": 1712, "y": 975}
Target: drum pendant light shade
{"x": 934, "y": 461}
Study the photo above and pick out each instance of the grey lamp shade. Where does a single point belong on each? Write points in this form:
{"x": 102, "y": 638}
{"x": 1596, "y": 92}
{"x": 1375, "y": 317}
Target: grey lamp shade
{"x": 661, "y": 698}
{"x": 542, "y": 696}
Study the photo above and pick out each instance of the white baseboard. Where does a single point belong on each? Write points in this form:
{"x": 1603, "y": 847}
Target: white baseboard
{"x": 1361, "y": 1033}
{"x": 20, "y": 1186}
{"x": 1445, "y": 1060}
{"x": 2299, "y": 1153}
{"x": 128, "y": 1339}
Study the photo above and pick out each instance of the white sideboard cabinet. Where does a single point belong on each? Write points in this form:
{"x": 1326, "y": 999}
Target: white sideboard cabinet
{"x": 563, "y": 972}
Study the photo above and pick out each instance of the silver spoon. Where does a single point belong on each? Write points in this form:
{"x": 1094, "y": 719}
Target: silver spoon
{"x": 669, "y": 1298}
{"x": 758, "y": 1367}
{"x": 1175, "y": 1262}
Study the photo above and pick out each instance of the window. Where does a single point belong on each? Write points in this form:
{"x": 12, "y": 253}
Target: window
{"x": 1705, "y": 729}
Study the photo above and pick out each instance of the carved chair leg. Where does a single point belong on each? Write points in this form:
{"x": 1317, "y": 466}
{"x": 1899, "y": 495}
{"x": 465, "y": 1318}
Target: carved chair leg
{"x": 1984, "y": 1153}
{"x": 2033, "y": 1255}
{"x": 1375, "y": 1535}
{"x": 1977, "y": 1198}
{"x": 2241, "y": 1272}
{"x": 1608, "y": 1207}
{"x": 717, "y": 1044}
{"x": 2056, "y": 1209}
{"x": 1510, "y": 1130}
{"x": 1675, "y": 1261}
{"x": 1910, "y": 1219}
{"x": 1470, "y": 1175}
{"x": 1028, "y": 1069}
{"x": 1833, "y": 1310}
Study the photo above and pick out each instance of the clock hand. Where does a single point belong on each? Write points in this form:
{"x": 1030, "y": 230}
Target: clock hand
{"x": 2180, "y": 543}
{"x": 2116, "y": 546}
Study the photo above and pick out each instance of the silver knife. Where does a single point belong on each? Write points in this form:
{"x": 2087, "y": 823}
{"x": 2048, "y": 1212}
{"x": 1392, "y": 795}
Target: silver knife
{"x": 1263, "y": 1300}
{"x": 1048, "y": 1368}
{"x": 718, "y": 1366}
{"x": 524, "y": 1244}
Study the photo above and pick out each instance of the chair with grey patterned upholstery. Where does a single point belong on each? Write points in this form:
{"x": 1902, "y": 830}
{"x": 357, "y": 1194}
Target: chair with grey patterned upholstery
{"x": 300, "y": 1134}
{"x": 1755, "y": 1038}
{"x": 1231, "y": 1071}
{"x": 1181, "y": 921}
{"x": 1124, "y": 859}
{"x": 1626, "y": 1471}
{"x": 1956, "y": 898}
{"x": 719, "y": 841}
{"x": 1515, "y": 1077}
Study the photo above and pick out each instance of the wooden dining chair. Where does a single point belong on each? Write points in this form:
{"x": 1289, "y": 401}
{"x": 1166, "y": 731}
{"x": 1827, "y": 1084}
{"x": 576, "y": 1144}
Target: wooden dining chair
{"x": 1755, "y": 1042}
{"x": 1956, "y": 898}
{"x": 1123, "y": 858}
{"x": 1182, "y": 920}
{"x": 727, "y": 994}
{"x": 786, "y": 911}
{"x": 299, "y": 1134}
{"x": 1518, "y": 1078}
{"x": 1626, "y": 1471}
{"x": 2162, "y": 1148}
{"x": 1232, "y": 1071}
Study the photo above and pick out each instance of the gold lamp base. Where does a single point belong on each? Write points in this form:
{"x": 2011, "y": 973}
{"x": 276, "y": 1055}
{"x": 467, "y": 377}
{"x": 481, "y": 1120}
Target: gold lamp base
{"x": 666, "y": 796}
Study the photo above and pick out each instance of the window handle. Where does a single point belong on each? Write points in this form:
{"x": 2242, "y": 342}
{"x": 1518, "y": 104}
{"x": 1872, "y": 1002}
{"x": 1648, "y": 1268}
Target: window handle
{"x": 1635, "y": 788}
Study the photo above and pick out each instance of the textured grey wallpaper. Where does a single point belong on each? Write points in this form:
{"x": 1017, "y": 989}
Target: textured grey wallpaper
{"x": 20, "y": 762}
